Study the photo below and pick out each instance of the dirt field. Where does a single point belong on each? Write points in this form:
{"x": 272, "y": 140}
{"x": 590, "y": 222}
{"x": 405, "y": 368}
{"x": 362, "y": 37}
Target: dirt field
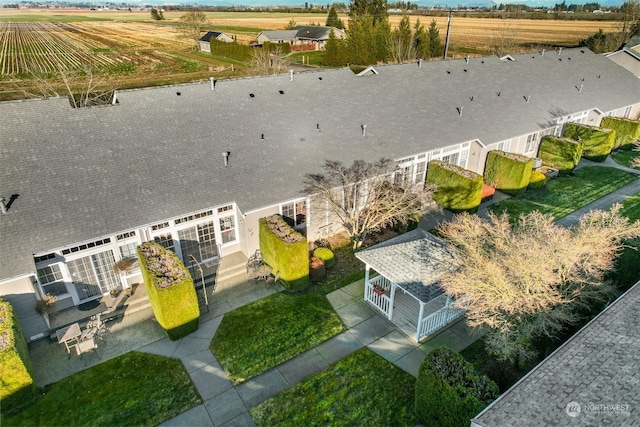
{"x": 130, "y": 49}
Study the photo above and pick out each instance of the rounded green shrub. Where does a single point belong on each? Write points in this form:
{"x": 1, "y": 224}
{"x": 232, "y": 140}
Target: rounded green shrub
{"x": 537, "y": 180}
{"x": 326, "y": 255}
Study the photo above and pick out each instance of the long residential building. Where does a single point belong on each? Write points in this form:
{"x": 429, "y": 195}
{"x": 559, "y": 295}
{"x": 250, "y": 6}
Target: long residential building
{"x": 193, "y": 167}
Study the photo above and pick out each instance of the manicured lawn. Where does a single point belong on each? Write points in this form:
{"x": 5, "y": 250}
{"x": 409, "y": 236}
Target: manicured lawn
{"x": 254, "y": 338}
{"x": 625, "y": 157}
{"x": 135, "y": 389}
{"x": 310, "y": 58}
{"x": 565, "y": 194}
{"x": 631, "y": 208}
{"x": 362, "y": 389}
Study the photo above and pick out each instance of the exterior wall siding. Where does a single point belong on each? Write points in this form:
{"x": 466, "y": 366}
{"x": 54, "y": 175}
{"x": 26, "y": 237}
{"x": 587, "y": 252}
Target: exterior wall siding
{"x": 21, "y": 294}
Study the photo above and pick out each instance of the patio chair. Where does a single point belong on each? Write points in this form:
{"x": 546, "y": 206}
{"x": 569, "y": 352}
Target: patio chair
{"x": 272, "y": 283}
{"x": 96, "y": 328}
{"x": 87, "y": 345}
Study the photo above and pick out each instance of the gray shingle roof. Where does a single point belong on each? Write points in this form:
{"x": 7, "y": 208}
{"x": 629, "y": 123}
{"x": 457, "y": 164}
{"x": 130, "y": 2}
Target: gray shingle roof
{"x": 84, "y": 173}
{"x": 312, "y": 32}
{"x": 599, "y": 365}
{"x": 415, "y": 261}
{"x": 207, "y": 37}
{"x": 280, "y": 34}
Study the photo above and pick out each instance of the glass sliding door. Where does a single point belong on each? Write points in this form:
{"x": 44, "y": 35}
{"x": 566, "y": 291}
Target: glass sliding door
{"x": 93, "y": 275}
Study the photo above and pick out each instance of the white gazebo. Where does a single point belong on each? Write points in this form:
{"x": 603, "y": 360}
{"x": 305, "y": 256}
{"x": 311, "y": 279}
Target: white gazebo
{"x": 405, "y": 288}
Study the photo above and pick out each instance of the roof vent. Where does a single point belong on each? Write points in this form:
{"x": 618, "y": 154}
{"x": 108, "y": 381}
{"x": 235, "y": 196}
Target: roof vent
{"x": 598, "y": 76}
{"x": 178, "y": 93}
{"x": 319, "y": 78}
{"x": 582, "y": 51}
{"x": 318, "y": 127}
{"x": 291, "y": 75}
{"x": 498, "y": 93}
{"x": 559, "y": 50}
{"x": 542, "y": 53}
{"x": 527, "y": 98}
{"x": 569, "y": 59}
{"x": 559, "y": 59}
{"x": 482, "y": 62}
{"x": 459, "y": 111}
{"x": 281, "y": 92}
{"x": 419, "y": 63}
{"x": 364, "y": 130}
{"x": 580, "y": 88}
{"x": 465, "y": 70}
{"x": 213, "y": 83}
{"x": 252, "y": 95}
{"x": 448, "y": 72}
{"x": 467, "y": 59}
{"x": 226, "y": 155}
{"x": 262, "y": 137}
{"x": 3, "y": 206}
{"x": 471, "y": 99}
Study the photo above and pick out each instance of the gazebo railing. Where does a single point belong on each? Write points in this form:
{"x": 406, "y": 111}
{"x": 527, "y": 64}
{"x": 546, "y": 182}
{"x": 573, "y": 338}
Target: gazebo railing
{"x": 380, "y": 301}
{"x": 440, "y": 318}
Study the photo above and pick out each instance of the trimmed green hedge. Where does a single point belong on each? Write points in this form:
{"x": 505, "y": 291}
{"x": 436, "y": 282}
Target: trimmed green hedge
{"x": 170, "y": 290}
{"x": 237, "y": 51}
{"x": 508, "y": 172}
{"x": 627, "y": 131}
{"x": 326, "y": 255}
{"x": 285, "y": 250}
{"x": 448, "y": 391}
{"x": 285, "y": 48}
{"x": 16, "y": 380}
{"x": 457, "y": 189}
{"x": 560, "y": 153}
{"x": 537, "y": 180}
{"x": 596, "y": 143}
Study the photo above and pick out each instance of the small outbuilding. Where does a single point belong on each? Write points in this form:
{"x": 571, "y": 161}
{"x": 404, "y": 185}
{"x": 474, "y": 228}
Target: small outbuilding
{"x": 205, "y": 41}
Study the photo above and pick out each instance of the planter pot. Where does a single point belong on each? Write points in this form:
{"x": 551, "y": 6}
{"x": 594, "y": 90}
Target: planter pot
{"x": 378, "y": 291}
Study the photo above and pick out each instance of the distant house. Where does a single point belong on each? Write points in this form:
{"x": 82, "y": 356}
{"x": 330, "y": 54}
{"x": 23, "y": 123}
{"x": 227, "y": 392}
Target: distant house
{"x": 205, "y": 41}
{"x": 308, "y": 37}
{"x": 628, "y": 56}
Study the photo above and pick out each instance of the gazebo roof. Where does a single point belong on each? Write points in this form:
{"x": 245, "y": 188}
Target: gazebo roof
{"x": 415, "y": 261}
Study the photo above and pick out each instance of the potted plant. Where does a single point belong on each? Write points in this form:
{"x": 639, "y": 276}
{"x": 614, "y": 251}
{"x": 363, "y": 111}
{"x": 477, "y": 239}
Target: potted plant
{"x": 378, "y": 289}
{"x": 46, "y": 304}
{"x": 122, "y": 266}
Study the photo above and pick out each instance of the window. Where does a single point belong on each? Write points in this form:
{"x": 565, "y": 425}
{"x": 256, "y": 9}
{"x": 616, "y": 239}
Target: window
{"x": 126, "y": 235}
{"x": 227, "y": 229}
{"x": 419, "y": 172}
{"x": 50, "y": 278}
{"x": 194, "y": 216}
{"x": 294, "y": 213}
{"x": 85, "y": 246}
{"x": 159, "y": 226}
{"x": 128, "y": 250}
{"x": 504, "y": 145}
{"x": 451, "y": 158}
{"x": 165, "y": 240}
{"x": 530, "y": 145}
{"x": 199, "y": 242}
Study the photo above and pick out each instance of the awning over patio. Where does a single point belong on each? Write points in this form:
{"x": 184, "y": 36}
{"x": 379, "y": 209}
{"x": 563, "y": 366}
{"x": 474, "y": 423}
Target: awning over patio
{"x": 415, "y": 261}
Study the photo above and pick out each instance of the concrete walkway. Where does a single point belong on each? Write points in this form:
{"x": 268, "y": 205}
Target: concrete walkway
{"x": 226, "y": 405}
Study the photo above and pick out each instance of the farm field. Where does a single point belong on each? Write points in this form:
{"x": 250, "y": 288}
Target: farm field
{"x": 128, "y": 49}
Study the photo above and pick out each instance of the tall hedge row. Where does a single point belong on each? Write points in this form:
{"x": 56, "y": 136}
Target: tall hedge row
{"x": 457, "y": 189}
{"x": 170, "y": 290}
{"x": 560, "y": 153}
{"x": 448, "y": 391}
{"x": 627, "y": 131}
{"x": 285, "y": 250}
{"x": 16, "y": 380}
{"x": 596, "y": 143}
{"x": 508, "y": 172}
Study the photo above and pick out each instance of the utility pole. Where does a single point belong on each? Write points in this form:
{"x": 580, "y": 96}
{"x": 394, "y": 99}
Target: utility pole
{"x": 446, "y": 43}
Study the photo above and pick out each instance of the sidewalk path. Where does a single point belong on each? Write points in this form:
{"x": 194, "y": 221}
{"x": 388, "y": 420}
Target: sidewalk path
{"x": 226, "y": 405}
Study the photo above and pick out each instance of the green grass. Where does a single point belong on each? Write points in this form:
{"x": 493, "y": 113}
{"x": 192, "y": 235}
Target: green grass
{"x": 362, "y": 389}
{"x": 255, "y": 338}
{"x": 625, "y": 157}
{"x": 631, "y": 208}
{"x": 135, "y": 389}
{"x": 314, "y": 57}
{"x": 566, "y": 194}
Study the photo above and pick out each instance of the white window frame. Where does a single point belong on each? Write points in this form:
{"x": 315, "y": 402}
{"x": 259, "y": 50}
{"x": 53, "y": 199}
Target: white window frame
{"x": 531, "y": 143}
{"x": 295, "y": 203}
{"x": 63, "y": 277}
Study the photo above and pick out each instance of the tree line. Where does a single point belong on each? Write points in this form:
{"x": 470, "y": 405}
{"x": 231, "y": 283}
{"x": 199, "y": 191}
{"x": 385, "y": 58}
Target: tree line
{"x": 370, "y": 40}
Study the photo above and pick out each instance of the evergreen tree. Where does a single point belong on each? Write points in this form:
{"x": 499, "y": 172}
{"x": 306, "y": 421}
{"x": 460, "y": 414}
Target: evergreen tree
{"x": 361, "y": 41}
{"x": 401, "y": 46}
{"x": 436, "y": 47}
{"x": 335, "y": 52}
{"x": 421, "y": 41}
{"x": 377, "y": 9}
{"x": 333, "y": 20}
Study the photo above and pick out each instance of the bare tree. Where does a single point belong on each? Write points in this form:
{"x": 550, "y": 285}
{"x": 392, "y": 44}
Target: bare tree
{"x": 531, "y": 278}
{"x": 192, "y": 24}
{"x": 504, "y": 40}
{"x": 268, "y": 61}
{"x": 82, "y": 87}
{"x": 364, "y": 197}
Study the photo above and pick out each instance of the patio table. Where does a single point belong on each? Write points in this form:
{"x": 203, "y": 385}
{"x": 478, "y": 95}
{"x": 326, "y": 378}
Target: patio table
{"x": 69, "y": 336}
